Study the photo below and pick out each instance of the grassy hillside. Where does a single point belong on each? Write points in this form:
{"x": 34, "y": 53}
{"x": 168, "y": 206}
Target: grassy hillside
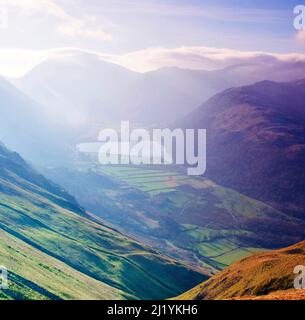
{"x": 36, "y": 275}
{"x": 261, "y": 276}
{"x": 191, "y": 219}
{"x": 52, "y": 248}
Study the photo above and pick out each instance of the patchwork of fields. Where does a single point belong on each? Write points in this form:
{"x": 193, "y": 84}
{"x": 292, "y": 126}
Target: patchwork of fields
{"x": 188, "y": 218}
{"x": 147, "y": 180}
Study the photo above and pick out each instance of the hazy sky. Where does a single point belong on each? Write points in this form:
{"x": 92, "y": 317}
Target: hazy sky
{"x": 122, "y": 26}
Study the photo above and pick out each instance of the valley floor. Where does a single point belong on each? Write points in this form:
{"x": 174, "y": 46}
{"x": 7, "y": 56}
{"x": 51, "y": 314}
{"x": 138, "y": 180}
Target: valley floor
{"x": 190, "y": 219}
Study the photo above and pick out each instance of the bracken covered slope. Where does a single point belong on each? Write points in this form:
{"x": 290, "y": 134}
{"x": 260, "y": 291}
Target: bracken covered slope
{"x": 267, "y": 275}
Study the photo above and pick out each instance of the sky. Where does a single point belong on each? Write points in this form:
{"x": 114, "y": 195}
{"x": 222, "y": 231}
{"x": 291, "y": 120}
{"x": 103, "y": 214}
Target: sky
{"x": 29, "y": 28}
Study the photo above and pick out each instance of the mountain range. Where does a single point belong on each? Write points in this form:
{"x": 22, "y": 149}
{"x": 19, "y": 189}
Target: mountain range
{"x": 78, "y": 87}
{"x": 250, "y": 199}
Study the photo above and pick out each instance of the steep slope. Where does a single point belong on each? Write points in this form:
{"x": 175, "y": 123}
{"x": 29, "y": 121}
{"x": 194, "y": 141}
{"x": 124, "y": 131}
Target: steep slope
{"x": 256, "y": 141}
{"x": 36, "y": 275}
{"x": 53, "y": 249}
{"x": 261, "y": 276}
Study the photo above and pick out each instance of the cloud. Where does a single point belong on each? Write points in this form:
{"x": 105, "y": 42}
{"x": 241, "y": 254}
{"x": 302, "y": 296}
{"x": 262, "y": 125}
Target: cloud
{"x": 67, "y": 24}
{"x": 204, "y": 58}
{"x": 16, "y": 62}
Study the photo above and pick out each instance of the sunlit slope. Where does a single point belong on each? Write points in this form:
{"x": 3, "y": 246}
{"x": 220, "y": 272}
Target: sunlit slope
{"x": 261, "y": 276}
{"x": 49, "y": 222}
{"x": 36, "y": 275}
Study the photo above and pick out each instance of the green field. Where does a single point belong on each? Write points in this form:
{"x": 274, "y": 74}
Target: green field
{"x": 151, "y": 181}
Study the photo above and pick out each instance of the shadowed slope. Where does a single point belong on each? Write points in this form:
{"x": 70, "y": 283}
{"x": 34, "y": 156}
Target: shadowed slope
{"x": 256, "y": 141}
